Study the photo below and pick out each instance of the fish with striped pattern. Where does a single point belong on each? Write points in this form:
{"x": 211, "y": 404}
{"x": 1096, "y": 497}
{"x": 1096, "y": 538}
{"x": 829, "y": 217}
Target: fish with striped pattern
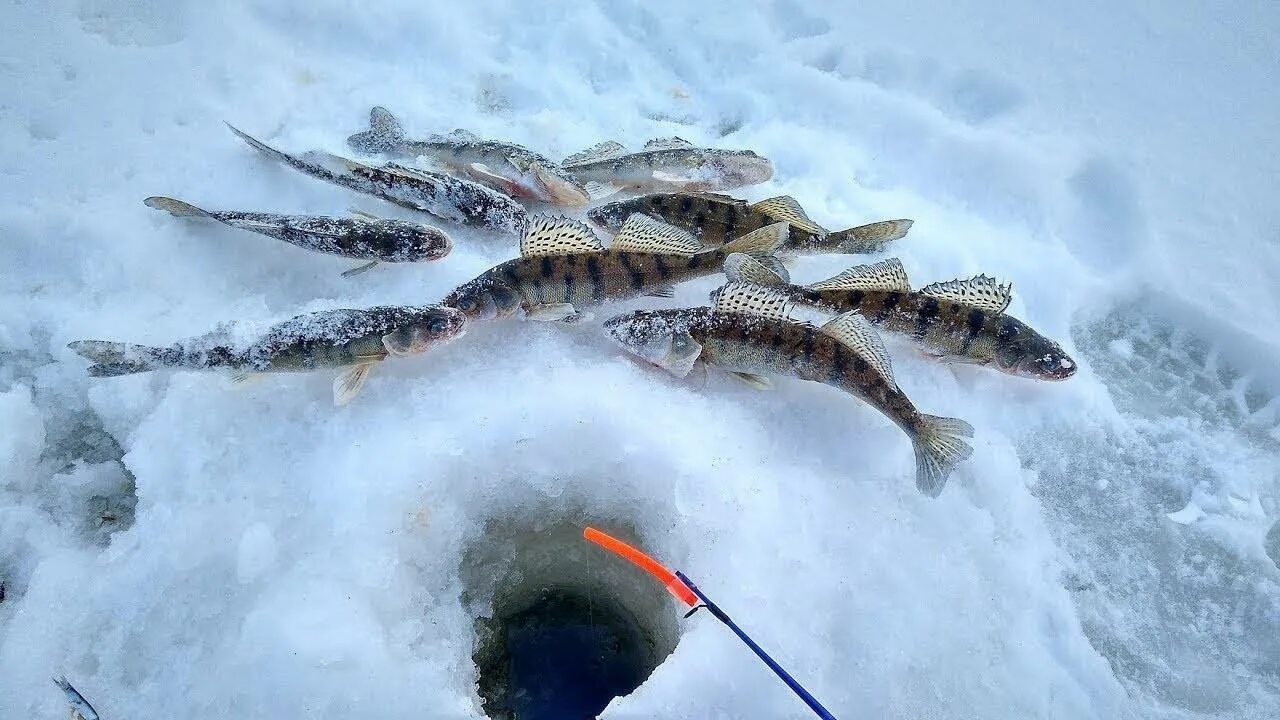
{"x": 716, "y": 219}
{"x": 563, "y": 267}
{"x": 352, "y": 339}
{"x": 958, "y": 320}
{"x": 750, "y": 331}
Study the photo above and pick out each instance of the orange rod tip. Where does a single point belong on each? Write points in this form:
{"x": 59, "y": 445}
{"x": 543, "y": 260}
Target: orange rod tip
{"x": 668, "y": 579}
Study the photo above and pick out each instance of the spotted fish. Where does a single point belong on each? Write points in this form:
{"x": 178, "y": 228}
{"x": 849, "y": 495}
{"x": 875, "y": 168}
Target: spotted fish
{"x": 372, "y": 239}
{"x": 513, "y": 169}
{"x": 352, "y": 339}
{"x": 665, "y": 164}
{"x": 564, "y": 267}
{"x": 454, "y": 199}
{"x": 750, "y": 332}
{"x": 958, "y": 320}
{"x": 716, "y": 219}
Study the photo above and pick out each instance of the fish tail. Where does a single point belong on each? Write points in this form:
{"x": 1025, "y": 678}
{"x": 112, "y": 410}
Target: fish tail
{"x": 114, "y": 358}
{"x": 939, "y": 449}
{"x": 174, "y": 207}
{"x": 260, "y": 146}
{"x": 865, "y": 238}
{"x": 384, "y": 133}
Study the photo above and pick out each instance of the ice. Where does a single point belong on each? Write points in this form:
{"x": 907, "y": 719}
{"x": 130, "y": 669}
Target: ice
{"x": 179, "y": 547}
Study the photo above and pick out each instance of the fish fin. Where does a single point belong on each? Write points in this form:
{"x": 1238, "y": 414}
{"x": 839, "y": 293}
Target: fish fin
{"x": 884, "y": 275}
{"x": 787, "y": 209}
{"x": 606, "y": 150}
{"x": 551, "y": 235}
{"x": 684, "y": 355}
{"x": 174, "y": 207}
{"x": 982, "y": 292}
{"x": 384, "y": 132}
{"x": 758, "y": 382}
{"x": 360, "y": 269}
{"x": 244, "y": 378}
{"x": 856, "y": 333}
{"x": 364, "y": 215}
{"x": 561, "y": 189}
{"x": 116, "y": 358}
{"x": 552, "y": 312}
{"x": 748, "y": 299}
{"x": 482, "y": 173}
{"x": 644, "y": 233}
{"x": 348, "y": 383}
{"x": 666, "y": 291}
{"x": 939, "y": 449}
{"x": 759, "y": 243}
{"x": 598, "y": 190}
{"x": 868, "y": 238}
{"x": 668, "y": 143}
{"x": 258, "y": 145}
{"x": 741, "y": 267}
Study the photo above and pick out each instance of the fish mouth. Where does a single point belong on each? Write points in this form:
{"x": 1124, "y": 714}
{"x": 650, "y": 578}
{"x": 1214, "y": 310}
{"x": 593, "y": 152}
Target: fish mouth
{"x": 1054, "y": 367}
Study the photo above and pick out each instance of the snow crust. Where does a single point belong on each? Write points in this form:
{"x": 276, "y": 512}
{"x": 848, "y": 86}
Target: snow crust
{"x": 182, "y": 548}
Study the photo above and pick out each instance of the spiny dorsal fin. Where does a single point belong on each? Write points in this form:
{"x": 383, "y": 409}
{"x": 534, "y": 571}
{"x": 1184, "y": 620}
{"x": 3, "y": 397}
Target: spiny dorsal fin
{"x": 668, "y": 143}
{"x": 456, "y": 135}
{"x": 856, "y": 333}
{"x": 741, "y": 267}
{"x": 982, "y": 292}
{"x": 786, "y": 208}
{"x": 884, "y": 275}
{"x": 383, "y": 122}
{"x": 549, "y": 235}
{"x": 749, "y": 299}
{"x": 607, "y": 150}
{"x": 642, "y": 233}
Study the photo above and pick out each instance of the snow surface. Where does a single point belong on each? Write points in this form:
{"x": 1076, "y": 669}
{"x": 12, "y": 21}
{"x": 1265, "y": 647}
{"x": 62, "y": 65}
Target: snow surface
{"x": 1102, "y": 556}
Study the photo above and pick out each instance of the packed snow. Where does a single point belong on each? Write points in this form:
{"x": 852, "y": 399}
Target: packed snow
{"x": 179, "y": 547}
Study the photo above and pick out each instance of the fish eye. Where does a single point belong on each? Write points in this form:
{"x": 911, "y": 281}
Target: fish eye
{"x": 437, "y": 325}
{"x": 467, "y": 303}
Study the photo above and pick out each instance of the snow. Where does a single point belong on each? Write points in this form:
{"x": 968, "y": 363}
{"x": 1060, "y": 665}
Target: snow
{"x": 286, "y": 558}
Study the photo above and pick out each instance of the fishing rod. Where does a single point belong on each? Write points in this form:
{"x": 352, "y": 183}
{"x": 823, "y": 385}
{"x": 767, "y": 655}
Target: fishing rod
{"x": 688, "y": 593}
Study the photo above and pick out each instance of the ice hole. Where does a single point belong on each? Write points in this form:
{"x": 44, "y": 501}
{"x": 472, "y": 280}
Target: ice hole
{"x": 561, "y": 628}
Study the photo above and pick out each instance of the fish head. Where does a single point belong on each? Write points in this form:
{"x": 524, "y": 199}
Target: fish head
{"x": 415, "y": 243}
{"x": 611, "y": 216}
{"x": 432, "y": 326}
{"x": 737, "y": 168}
{"x": 485, "y": 298}
{"x": 659, "y": 337}
{"x": 557, "y": 186}
{"x": 1031, "y": 355}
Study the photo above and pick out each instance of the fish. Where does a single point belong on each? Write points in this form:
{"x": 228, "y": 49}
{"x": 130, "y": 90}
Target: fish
{"x": 369, "y": 238}
{"x": 665, "y": 164}
{"x": 750, "y": 331}
{"x": 563, "y": 267}
{"x": 346, "y": 338}
{"x": 80, "y": 708}
{"x": 961, "y": 320}
{"x": 716, "y": 219}
{"x": 513, "y": 169}
{"x": 454, "y": 199}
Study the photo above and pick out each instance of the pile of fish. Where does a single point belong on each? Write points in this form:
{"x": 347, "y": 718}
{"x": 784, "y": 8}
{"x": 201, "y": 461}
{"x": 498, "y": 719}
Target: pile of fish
{"x": 670, "y": 226}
